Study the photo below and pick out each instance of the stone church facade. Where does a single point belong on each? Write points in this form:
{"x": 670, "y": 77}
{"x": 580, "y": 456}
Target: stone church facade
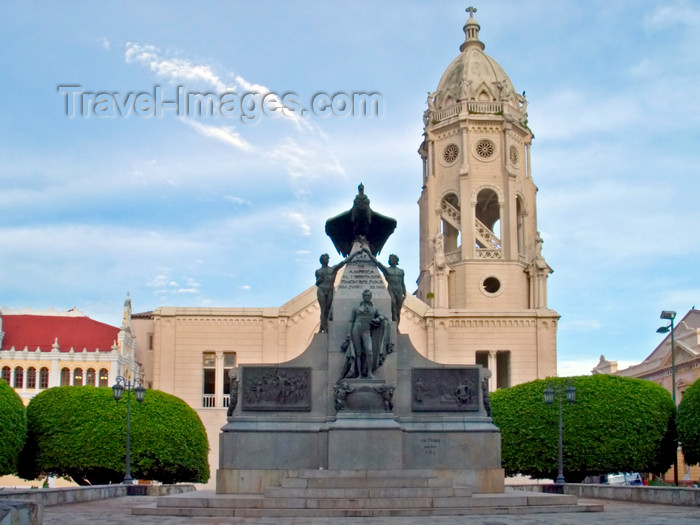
{"x": 482, "y": 290}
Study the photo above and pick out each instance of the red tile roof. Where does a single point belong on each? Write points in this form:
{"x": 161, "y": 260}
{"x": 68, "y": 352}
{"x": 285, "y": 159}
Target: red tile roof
{"x": 41, "y": 331}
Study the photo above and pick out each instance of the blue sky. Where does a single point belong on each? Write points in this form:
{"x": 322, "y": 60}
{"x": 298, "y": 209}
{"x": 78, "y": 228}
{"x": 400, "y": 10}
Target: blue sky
{"x": 220, "y": 212}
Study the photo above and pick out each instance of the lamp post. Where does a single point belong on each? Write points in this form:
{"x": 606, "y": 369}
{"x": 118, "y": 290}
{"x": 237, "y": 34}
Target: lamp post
{"x": 140, "y": 392}
{"x": 671, "y": 316}
{"x": 549, "y": 394}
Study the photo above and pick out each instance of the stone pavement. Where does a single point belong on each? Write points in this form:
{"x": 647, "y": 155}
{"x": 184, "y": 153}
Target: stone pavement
{"x": 117, "y": 511}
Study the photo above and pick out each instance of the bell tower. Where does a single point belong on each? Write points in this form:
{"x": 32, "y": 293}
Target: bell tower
{"x": 482, "y": 273}
{"x": 480, "y": 248}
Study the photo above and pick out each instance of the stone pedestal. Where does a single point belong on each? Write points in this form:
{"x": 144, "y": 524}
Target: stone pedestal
{"x": 413, "y": 415}
{"x": 359, "y": 440}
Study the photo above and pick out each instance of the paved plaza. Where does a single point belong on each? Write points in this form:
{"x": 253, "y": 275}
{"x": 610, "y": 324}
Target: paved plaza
{"x": 117, "y": 511}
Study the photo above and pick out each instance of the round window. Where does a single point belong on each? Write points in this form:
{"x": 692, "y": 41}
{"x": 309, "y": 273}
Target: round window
{"x": 491, "y": 285}
{"x": 485, "y": 149}
{"x": 451, "y": 153}
{"x": 513, "y": 155}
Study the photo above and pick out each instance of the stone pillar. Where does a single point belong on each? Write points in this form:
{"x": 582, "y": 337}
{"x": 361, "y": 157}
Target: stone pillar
{"x": 493, "y": 367}
{"x": 219, "y": 379}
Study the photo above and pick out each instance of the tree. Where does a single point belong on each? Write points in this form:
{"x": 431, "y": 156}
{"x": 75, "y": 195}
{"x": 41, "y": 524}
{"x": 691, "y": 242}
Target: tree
{"x": 689, "y": 424}
{"x": 13, "y": 428}
{"x": 617, "y": 424}
{"x": 81, "y": 432}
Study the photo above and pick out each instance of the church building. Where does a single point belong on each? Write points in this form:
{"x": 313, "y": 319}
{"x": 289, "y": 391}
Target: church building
{"x": 482, "y": 290}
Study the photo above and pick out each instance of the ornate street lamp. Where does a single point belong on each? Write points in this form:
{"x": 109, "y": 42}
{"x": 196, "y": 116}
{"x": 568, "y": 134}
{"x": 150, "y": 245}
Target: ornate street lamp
{"x": 671, "y": 316}
{"x": 549, "y": 394}
{"x": 140, "y": 392}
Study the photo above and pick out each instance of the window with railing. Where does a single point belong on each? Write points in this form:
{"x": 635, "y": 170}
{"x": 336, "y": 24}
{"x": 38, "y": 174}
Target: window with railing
{"x": 209, "y": 379}
{"x": 229, "y": 363}
{"x": 216, "y": 383}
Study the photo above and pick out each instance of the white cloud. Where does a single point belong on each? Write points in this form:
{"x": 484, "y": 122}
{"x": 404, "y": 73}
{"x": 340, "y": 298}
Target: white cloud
{"x": 174, "y": 69}
{"x": 237, "y": 200}
{"x": 683, "y": 13}
{"x": 299, "y": 220}
{"x": 226, "y": 134}
{"x": 310, "y": 161}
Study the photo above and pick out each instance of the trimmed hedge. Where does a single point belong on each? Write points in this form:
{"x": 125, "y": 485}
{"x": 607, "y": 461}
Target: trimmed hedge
{"x": 689, "y": 424}
{"x": 13, "y": 428}
{"x": 81, "y": 432}
{"x": 617, "y": 424}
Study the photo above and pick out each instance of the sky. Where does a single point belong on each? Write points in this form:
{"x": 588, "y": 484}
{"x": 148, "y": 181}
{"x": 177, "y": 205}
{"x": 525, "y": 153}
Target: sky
{"x": 105, "y": 194}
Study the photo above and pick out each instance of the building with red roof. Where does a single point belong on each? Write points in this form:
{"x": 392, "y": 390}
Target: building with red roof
{"x": 43, "y": 349}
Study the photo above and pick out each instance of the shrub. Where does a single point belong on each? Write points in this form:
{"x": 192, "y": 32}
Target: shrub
{"x": 13, "y": 428}
{"x": 81, "y": 432}
{"x": 617, "y": 424}
{"x": 689, "y": 424}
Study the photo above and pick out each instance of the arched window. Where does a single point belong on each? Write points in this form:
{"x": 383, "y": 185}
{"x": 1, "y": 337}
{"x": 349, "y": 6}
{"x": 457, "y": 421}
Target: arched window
{"x": 520, "y": 211}
{"x": 78, "y": 377}
{"x": 7, "y": 374}
{"x": 90, "y": 377}
{"x": 487, "y": 225}
{"x": 104, "y": 377}
{"x": 31, "y": 377}
{"x": 451, "y": 218}
{"x": 65, "y": 376}
{"x": 44, "y": 377}
{"x": 19, "y": 377}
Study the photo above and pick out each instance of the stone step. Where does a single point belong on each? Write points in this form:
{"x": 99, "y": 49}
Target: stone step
{"x": 366, "y": 473}
{"x": 344, "y": 502}
{"x": 363, "y": 512}
{"x": 341, "y": 483}
{"x": 391, "y": 492}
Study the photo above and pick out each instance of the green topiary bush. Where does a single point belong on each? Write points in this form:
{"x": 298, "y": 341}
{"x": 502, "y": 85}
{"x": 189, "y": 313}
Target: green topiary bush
{"x": 13, "y": 428}
{"x": 689, "y": 424}
{"x": 617, "y": 424}
{"x": 81, "y": 432}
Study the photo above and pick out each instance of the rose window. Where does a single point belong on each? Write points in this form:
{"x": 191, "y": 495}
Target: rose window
{"x": 513, "y": 156}
{"x": 485, "y": 149}
{"x": 451, "y": 153}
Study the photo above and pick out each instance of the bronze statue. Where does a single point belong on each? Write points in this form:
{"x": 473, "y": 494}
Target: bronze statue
{"x": 325, "y": 280}
{"x": 340, "y": 394}
{"x": 360, "y": 221}
{"x": 362, "y": 358}
{"x": 395, "y": 283}
{"x": 233, "y": 392}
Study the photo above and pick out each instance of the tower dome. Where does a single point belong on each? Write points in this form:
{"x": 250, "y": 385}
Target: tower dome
{"x": 476, "y": 77}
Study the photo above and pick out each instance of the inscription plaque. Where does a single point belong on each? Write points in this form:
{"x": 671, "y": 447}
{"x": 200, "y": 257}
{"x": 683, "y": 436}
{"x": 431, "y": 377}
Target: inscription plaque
{"x": 445, "y": 389}
{"x": 276, "y": 388}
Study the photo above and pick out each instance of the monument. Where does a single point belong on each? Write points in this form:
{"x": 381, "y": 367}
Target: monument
{"x": 360, "y": 397}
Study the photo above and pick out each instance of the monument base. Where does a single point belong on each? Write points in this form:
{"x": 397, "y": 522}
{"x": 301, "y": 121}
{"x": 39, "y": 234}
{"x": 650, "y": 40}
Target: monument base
{"x": 258, "y": 481}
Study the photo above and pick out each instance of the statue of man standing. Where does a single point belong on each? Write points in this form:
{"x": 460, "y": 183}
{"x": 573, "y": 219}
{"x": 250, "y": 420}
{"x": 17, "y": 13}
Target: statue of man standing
{"x": 325, "y": 281}
{"x": 364, "y": 316}
{"x": 395, "y": 284}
